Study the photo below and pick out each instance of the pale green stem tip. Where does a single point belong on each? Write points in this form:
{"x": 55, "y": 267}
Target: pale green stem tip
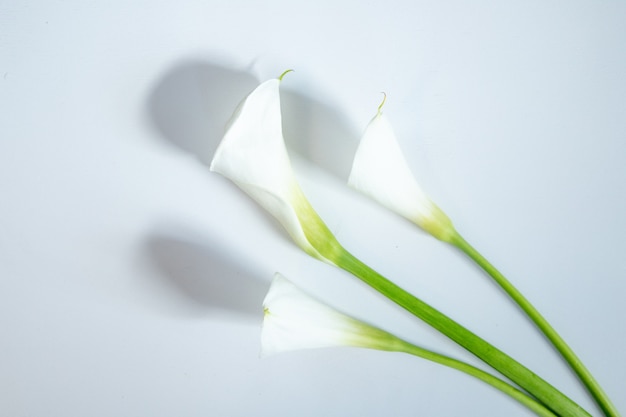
{"x": 283, "y": 74}
{"x": 382, "y": 103}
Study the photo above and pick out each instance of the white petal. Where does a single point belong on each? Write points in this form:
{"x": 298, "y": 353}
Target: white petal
{"x": 253, "y": 155}
{"x": 381, "y": 172}
{"x": 294, "y": 320}
{"x": 252, "y": 151}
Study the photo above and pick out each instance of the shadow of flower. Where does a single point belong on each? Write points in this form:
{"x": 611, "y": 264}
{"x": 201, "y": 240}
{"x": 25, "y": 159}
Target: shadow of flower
{"x": 318, "y": 133}
{"x": 193, "y": 101}
{"x": 191, "y": 104}
{"x": 207, "y": 275}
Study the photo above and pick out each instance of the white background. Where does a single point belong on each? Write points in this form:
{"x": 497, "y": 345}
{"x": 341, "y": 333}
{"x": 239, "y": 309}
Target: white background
{"x": 131, "y": 278}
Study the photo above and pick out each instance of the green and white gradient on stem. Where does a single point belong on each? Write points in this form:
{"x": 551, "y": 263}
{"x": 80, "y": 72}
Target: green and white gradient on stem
{"x": 381, "y": 172}
{"x": 294, "y": 320}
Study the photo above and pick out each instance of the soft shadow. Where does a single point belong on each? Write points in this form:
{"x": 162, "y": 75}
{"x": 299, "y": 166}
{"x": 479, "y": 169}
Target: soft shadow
{"x": 193, "y": 101}
{"x": 191, "y": 104}
{"x": 318, "y": 132}
{"x": 206, "y": 274}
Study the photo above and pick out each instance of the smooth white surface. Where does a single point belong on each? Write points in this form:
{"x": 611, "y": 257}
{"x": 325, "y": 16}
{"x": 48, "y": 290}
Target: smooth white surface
{"x": 131, "y": 278}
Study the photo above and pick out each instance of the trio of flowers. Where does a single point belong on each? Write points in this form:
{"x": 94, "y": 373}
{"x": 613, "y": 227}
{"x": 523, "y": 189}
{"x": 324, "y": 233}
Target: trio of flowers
{"x": 253, "y": 155}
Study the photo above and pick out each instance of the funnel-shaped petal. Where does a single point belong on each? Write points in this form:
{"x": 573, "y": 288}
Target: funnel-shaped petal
{"x": 252, "y": 154}
{"x": 294, "y": 320}
{"x": 381, "y": 172}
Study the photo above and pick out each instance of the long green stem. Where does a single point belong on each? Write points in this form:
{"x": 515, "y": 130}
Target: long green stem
{"x": 568, "y": 354}
{"x": 509, "y": 367}
{"x": 525, "y": 399}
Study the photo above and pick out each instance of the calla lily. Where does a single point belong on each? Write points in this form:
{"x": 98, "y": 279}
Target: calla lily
{"x": 381, "y": 172}
{"x": 294, "y": 320}
{"x": 253, "y": 155}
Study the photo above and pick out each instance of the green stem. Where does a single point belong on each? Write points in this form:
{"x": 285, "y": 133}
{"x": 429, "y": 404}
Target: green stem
{"x": 509, "y": 367}
{"x": 525, "y": 399}
{"x": 568, "y": 354}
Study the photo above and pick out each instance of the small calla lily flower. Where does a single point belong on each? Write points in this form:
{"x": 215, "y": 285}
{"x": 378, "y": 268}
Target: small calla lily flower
{"x": 381, "y": 172}
{"x": 294, "y": 320}
{"x": 253, "y": 155}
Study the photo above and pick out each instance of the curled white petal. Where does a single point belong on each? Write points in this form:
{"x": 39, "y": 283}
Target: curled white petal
{"x": 294, "y": 320}
{"x": 253, "y": 155}
{"x": 381, "y": 172}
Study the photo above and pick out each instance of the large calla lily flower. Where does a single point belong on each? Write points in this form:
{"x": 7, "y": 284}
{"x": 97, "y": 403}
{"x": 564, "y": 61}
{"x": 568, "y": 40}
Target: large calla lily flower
{"x": 253, "y": 155}
{"x": 381, "y": 172}
{"x": 294, "y": 320}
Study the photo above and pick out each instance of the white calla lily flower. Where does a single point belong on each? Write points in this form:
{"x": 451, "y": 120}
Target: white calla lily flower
{"x": 253, "y": 155}
{"x": 294, "y": 320}
{"x": 381, "y": 172}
